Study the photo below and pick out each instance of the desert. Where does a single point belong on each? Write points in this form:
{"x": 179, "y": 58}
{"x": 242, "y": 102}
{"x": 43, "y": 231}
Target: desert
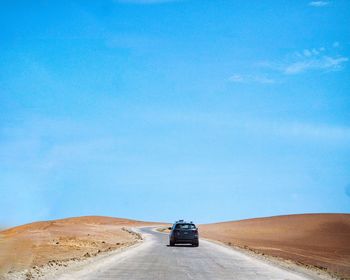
{"x": 316, "y": 240}
{"x": 32, "y": 246}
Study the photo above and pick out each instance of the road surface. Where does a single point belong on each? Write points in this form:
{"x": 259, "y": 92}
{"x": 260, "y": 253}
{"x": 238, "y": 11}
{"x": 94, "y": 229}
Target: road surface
{"x": 154, "y": 259}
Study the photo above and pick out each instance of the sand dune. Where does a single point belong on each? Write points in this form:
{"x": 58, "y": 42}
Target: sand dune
{"x": 48, "y": 242}
{"x": 320, "y": 240}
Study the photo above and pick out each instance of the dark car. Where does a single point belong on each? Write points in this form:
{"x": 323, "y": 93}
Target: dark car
{"x": 183, "y": 233}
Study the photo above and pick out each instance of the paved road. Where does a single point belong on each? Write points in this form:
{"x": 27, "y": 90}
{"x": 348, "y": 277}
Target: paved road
{"x": 154, "y": 259}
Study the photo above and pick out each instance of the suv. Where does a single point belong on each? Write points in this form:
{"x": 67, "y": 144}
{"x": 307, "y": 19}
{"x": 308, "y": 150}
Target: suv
{"x": 183, "y": 232}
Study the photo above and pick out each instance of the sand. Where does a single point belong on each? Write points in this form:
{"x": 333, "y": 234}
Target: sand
{"x": 320, "y": 241}
{"x": 58, "y": 242}
{"x": 314, "y": 240}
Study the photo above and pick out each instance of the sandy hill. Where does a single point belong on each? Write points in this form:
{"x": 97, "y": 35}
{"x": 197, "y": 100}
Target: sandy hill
{"x": 39, "y": 243}
{"x": 321, "y": 240}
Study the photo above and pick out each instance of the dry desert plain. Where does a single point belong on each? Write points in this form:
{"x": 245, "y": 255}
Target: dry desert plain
{"x": 314, "y": 240}
{"x": 59, "y": 242}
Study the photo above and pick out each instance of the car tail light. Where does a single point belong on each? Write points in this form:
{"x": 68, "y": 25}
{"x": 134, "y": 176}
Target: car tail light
{"x": 196, "y": 231}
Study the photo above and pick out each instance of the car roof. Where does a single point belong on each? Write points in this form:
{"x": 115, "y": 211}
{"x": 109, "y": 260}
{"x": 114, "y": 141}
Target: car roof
{"x": 183, "y": 222}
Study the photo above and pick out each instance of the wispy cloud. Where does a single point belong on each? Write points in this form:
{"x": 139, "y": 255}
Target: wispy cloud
{"x": 314, "y": 59}
{"x": 322, "y": 63}
{"x": 318, "y": 4}
{"x": 317, "y": 59}
{"x": 238, "y": 78}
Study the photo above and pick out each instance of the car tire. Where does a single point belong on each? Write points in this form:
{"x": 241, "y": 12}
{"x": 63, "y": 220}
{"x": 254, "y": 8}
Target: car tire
{"x": 195, "y": 244}
{"x": 171, "y": 244}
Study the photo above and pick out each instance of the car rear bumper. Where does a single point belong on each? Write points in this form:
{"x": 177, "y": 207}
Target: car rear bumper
{"x": 182, "y": 240}
{"x": 185, "y": 241}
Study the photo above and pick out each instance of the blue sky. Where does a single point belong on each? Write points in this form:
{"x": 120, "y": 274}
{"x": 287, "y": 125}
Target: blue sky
{"x": 159, "y": 110}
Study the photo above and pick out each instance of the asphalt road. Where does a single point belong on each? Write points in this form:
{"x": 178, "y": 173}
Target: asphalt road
{"x": 154, "y": 259}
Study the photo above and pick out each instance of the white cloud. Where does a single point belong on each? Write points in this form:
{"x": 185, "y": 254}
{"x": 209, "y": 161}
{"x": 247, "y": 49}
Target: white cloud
{"x": 318, "y": 3}
{"x": 297, "y": 67}
{"x": 312, "y": 52}
{"x": 330, "y": 62}
{"x": 313, "y": 59}
{"x": 322, "y": 63}
{"x": 238, "y": 78}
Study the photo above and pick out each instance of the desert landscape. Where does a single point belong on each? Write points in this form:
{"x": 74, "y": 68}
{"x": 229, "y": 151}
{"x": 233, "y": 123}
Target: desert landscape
{"x": 55, "y": 243}
{"x": 119, "y": 116}
{"x": 315, "y": 240}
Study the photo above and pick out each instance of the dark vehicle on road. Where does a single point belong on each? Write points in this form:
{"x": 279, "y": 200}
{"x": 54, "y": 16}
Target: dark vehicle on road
{"x": 183, "y": 233}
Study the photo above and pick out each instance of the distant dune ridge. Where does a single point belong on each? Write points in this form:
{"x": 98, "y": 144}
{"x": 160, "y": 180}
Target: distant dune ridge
{"x": 54, "y": 242}
{"x": 320, "y": 240}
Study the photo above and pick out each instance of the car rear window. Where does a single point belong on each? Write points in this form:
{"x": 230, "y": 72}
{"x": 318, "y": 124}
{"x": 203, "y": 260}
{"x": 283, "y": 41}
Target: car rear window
{"x": 185, "y": 226}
